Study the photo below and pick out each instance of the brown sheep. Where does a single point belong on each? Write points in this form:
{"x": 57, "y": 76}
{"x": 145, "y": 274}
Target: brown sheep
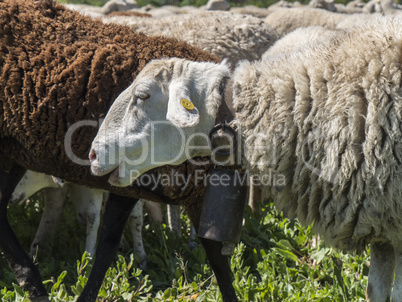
{"x": 57, "y": 68}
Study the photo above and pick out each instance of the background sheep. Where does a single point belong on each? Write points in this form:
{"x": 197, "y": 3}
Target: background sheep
{"x": 70, "y": 69}
{"x": 232, "y": 36}
{"x": 285, "y": 20}
{"x": 390, "y": 7}
{"x": 217, "y": 5}
{"x": 258, "y": 12}
{"x": 300, "y": 37}
{"x": 167, "y": 10}
{"x": 87, "y": 203}
{"x": 372, "y": 6}
{"x": 331, "y": 6}
{"x": 327, "y": 119}
{"x": 345, "y": 9}
{"x": 131, "y": 13}
{"x": 107, "y": 8}
{"x": 323, "y": 4}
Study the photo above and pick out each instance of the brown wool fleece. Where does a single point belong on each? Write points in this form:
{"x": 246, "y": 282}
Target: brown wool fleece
{"x": 58, "y": 67}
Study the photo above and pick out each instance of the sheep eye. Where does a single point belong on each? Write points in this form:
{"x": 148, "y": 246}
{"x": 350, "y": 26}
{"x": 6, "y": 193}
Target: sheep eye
{"x": 142, "y": 95}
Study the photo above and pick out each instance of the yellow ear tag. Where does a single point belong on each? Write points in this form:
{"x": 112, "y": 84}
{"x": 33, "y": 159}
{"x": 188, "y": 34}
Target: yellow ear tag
{"x": 187, "y": 104}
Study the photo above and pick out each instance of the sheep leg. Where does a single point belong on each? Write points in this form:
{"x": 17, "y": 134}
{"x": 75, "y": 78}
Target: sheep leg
{"x": 191, "y": 238}
{"x": 88, "y": 204}
{"x": 174, "y": 219}
{"x": 382, "y": 267}
{"x": 255, "y": 199}
{"x": 397, "y": 291}
{"x": 25, "y": 271}
{"x": 93, "y": 221}
{"x": 154, "y": 211}
{"x": 221, "y": 268}
{"x": 136, "y": 222}
{"x": 54, "y": 204}
{"x": 117, "y": 211}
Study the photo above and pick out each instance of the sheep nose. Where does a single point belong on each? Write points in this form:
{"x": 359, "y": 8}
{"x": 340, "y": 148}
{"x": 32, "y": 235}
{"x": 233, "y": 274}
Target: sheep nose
{"x": 92, "y": 155}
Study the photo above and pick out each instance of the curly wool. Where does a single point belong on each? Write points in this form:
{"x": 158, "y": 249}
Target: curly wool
{"x": 284, "y": 20}
{"x": 57, "y": 68}
{"x": 327, "y": 119}
{"x": 300, "y": 37}
{"x": 227, "y": 35}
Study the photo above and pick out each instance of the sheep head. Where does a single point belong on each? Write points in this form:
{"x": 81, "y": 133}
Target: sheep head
{"x": 164, "y": 117}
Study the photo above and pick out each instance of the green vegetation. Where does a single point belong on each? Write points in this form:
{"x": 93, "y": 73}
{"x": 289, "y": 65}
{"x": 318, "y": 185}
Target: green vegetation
{"x": 275, "y": 261}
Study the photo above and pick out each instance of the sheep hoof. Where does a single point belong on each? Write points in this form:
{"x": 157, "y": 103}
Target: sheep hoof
{"x": 228, "y": 249}
{"x": 143, "y": 265}
{"x": 191, "y": 245}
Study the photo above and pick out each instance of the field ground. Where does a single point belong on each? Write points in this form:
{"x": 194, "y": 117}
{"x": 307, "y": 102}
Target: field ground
{"x": 275, "y": 261}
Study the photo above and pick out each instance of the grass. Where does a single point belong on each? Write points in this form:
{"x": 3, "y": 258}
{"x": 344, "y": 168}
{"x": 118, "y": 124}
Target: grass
{"x": 274, "y": 261}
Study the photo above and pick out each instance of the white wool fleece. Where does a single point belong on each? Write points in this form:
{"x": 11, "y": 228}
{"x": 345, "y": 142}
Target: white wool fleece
{"x": 327, "y": 118}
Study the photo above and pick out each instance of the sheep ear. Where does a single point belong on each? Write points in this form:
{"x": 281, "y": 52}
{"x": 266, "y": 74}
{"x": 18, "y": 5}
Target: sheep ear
{"x": 181, "y": 110}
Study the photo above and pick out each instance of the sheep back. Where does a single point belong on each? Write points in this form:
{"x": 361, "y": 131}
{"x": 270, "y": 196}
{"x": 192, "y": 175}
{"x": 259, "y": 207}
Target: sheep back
{"x": 232, "y": 36}
{"x": 298, "y": 38}
{"x": 285, "y": 20}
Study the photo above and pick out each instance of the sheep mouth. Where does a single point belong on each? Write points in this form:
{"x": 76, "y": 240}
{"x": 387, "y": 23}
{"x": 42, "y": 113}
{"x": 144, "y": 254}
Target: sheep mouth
{"x": 98, "y": 169}
{"x": 124, "y": 176}
{"x": 115, "y": 179}
{"x": 17, "y": 199}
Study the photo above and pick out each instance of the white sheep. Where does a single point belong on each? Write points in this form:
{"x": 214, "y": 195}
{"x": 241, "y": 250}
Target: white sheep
{"x": 372, "y": 6}
{"x": 166, "y": 10}
{"x": 232, "y": 36}
{"x": 107, "y": 8}
{"x": 390, "y": 7}
{"x": 217, "y": 5}
{"x": 324, "y": 123}
{"x": 355, "y": 4}
{"x": 285, "y": 20}
{"x": 300, "y": 37}
{"x": 227, "y": 35}
{"x": 345, "y": 9}
{"x": 255, "y": 11}
{"x": 331, "y": 6}
{"x": 87, "y": 203}
{"x": 323, "y": 4}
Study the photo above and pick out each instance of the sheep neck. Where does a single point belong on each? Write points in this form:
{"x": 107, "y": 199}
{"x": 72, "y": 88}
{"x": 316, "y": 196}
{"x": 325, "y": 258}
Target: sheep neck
{"x": 223, "y": 127}
{"x": 226, "y": 112}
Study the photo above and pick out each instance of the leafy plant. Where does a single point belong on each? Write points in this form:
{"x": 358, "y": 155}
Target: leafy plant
{"x": 275, "y": 261}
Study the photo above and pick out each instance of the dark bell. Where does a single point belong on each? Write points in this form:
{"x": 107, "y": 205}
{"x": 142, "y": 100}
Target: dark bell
{"x": 223, "y": 209}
